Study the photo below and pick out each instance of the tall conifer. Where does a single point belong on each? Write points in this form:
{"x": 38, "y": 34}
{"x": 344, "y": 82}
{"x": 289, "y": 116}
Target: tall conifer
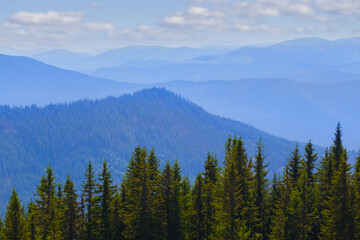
{"x": 14, "y": 219}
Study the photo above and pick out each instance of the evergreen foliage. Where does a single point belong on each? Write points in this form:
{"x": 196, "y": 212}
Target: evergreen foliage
{"x": 232, "y": 202}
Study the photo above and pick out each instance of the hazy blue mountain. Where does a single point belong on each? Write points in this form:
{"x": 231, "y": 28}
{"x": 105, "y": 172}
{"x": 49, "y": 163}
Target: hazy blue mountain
{"x": 63, "y": 58}
{"x": 114, "y": 57}
{"x": 67, "y": 136}
{"x": 286, "y": 108}
{"x": 273, "y": 105}
{"x": 304, "y": 60}
{"x": 24, "y": 81}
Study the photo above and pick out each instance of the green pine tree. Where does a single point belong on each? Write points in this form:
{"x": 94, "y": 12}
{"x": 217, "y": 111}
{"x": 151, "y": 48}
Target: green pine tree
{"x": 356, "y": 208}
{"x": 294, "y": 165}
{"x": 186, "y": 208}
{"x": 14, "y": 219}
{"x": 198, "y": 216}
{"x": 88, "y": 193}
{"x": 105, "y": 193}
{"x": 31, "y": 221}
{"x": 166, "y": 191}
{"x": 71, "y": 216}
{"x": 175, "y": 213}
{"x": 211, "y": 176}
{"x": 336, "y": 212}
{"x": 260, "y": 193}
{"x": 46, "y": 202}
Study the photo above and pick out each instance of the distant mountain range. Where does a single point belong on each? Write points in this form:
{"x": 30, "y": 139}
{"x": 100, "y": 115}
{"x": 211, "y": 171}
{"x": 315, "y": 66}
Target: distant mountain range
{"x": 304, "y": 60}
{"x": 286, "y": 108}
{"x": 114, "y": 57}
{"x": 67, "y": 136}
{"x": 24, "y": 81}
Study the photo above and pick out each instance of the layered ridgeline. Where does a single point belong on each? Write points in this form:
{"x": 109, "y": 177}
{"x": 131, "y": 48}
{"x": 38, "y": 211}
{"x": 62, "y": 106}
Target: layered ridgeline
{"x": 25, "y": 81}
{"x": 67, "y": 136}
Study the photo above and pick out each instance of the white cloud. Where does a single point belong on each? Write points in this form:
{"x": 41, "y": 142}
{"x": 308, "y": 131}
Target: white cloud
{"x": 273, "y": 8}
{"x": 343, "y": 7}
{"x": 196, "y": 17}
{"x": 99, "y": 26}
{"x": 53, "y": 23}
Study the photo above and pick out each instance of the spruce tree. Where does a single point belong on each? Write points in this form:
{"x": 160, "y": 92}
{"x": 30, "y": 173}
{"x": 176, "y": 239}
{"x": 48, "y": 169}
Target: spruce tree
{"x": 281, "y": 195}
{"x": 198, "y": 216}
{"x": 117, "y": 217}
{"x": 166, "y": 189}
{"x": 211, "y": 176}
{"x": 88, "y": 192}
{"x": 244, "y": 201}
{"x": 336, "y": 213}
{"x": 337, "y": 149}
{"x": 310, "y": 157}
{"x": 186, "y": 208}
{"x": 46, "y": 202}
{"x": 356, "y": 207}
{"x": 175, "y": 213}
{"x": 70, "y": 211}
{"x": 261, "y": 192}
{"x": 137, "y": 189}
{"x": 14, "y": 219}
{"x": 105, "y": 193}
{"x": 31, "y": 221}
{"x": 294, "y": 165}
{"x": 228, "y": 207}
{"x": 338, "y": 218}
{"x": 154, "y": 198}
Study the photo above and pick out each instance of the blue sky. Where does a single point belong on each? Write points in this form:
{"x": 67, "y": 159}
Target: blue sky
{"x": 93, "y": 26}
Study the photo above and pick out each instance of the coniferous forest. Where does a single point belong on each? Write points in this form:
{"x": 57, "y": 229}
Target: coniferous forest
{"x": 314, "y": 197}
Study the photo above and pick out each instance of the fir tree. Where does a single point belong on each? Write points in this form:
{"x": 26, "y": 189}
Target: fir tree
{"x": 338, "y": 220}
{"x": 244, "y": 202}
{"x": 294, "y": 165}
{"x": 356, "y": 208}
{"x": 166, "y": 189}
{"x": 138, "y": 188}
{"x": 337, "y": 149}
{"x": 311, "y": 158}
{"x": 14, "y": 219}
{"x": 31, "y": 221}
{"x": 260, "y": 193}
{"x": 227, "y": 211}
{"x": 336, "y": 213}
{"x": 175, "y": 213}
{"x": 46, "y": 207}
{"x": 186, "y": 208}
{"x": 88, "y": 192}
{"x": 154, "y": 198}
{"x": 198, "y": 217}
{"x": 105, "y": 191}
{"x": 211, "y": 176}
{"x": 70, "y": 211}
{"x": 117, "y": 217}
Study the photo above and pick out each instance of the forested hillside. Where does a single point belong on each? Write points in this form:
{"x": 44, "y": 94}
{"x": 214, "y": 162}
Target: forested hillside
{"x": 67, "y": 136}
{"x": 312, "y": 198}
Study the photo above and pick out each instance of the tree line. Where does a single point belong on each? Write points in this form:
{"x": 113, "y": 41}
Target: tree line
{"x": 313, "y": 198}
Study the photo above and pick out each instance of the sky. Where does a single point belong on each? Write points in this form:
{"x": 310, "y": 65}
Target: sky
{"x": 95, "y": 26}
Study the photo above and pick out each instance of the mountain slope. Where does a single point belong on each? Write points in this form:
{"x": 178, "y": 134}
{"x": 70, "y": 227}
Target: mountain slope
{"x": 67, "y": 136}
{"x": 289, "y": 109}
{"x": 63, "y": 59}
{"x": 24, "y": 81}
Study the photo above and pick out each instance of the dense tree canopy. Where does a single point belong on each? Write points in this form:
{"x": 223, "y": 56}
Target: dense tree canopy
{"x": 234, "y": 201}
